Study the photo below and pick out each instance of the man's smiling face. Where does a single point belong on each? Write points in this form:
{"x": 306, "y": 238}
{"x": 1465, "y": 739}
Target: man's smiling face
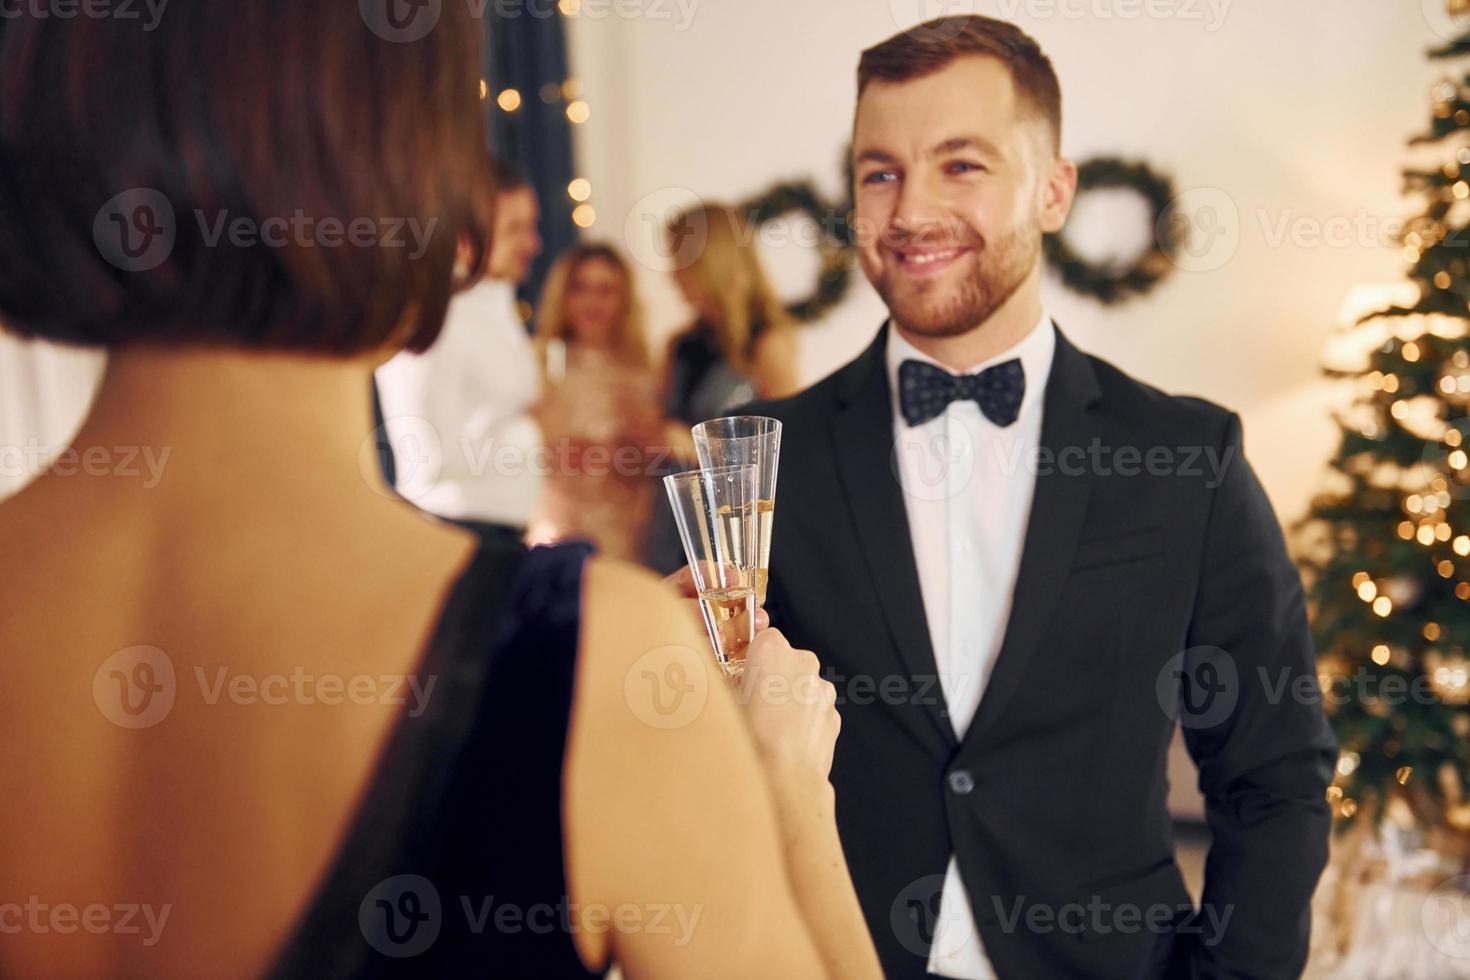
{"x": 949, "y": 170}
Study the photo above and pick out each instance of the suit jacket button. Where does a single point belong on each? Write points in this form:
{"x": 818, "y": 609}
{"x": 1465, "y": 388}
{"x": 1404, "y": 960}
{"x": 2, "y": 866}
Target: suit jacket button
{"x": 961, "y": 782}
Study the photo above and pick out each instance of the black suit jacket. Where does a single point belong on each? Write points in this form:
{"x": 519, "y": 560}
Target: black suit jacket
{"x": 1137, "y": 571}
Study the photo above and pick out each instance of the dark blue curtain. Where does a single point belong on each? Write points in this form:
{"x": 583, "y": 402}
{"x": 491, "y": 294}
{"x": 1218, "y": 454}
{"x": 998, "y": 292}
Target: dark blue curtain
{"x": 526, "y": 51}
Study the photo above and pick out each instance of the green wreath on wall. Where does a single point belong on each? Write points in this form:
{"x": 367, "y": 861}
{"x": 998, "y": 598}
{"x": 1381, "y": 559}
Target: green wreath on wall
{"x": 1108, "y": 282}
{"x": 834, "y": 246}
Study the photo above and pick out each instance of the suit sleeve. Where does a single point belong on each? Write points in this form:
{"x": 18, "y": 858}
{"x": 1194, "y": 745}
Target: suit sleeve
{"x": 1265, "y": 763}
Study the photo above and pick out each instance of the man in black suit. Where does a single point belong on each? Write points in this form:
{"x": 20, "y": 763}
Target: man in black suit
{"x": 1022, "y": 568}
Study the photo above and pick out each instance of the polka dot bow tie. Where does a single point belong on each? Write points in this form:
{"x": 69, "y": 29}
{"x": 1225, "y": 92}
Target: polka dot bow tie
{"x": 925, "y": 391}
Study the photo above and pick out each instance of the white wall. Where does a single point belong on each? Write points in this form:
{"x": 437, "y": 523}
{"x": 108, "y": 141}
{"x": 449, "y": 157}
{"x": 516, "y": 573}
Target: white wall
{"x": 1294, "y": 112}
{"x": 44, "y": 393}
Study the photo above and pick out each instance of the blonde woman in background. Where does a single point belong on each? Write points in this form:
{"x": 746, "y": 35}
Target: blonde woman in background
{"x": 742, "y": 344}
{"x": 600, "y": 412}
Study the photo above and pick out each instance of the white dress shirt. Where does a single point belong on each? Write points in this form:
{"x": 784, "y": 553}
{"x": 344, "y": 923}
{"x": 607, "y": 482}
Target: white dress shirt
{"x": 464, "y": 444}
{"x": 967, "y": 487}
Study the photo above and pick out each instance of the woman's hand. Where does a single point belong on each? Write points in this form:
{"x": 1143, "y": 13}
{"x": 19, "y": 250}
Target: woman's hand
{"x": 790, "y": 709}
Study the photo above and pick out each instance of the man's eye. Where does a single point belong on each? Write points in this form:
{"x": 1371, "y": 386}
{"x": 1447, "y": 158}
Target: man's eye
{"x": 880, "y": 177}
{"x": 965, "y": 166}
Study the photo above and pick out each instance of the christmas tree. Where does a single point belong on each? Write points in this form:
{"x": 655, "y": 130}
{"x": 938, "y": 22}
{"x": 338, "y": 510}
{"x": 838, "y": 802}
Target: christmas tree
{"x": 1385, "y": 550}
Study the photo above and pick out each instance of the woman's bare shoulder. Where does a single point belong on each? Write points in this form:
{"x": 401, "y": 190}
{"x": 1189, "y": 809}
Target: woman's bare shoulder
{"x": 629, "y": 613}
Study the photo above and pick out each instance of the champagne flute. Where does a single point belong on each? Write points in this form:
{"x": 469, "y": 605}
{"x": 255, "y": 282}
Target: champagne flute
{"x": 747, "y": 440}
{"x": 716, "y": 512}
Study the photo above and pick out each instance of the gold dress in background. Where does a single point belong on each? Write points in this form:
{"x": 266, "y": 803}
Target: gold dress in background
{"x": 603, "y": 428}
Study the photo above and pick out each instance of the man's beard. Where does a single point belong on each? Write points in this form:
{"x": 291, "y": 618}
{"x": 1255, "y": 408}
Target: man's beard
{"x": 936, "y": 309}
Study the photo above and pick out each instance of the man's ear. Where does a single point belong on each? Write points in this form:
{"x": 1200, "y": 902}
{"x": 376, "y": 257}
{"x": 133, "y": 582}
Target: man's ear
{"x": 1058, "y": 190}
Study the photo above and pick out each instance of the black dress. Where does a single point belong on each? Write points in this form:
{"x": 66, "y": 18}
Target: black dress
{"x": 701, "y": 384}
{"x": 454, "y": 865}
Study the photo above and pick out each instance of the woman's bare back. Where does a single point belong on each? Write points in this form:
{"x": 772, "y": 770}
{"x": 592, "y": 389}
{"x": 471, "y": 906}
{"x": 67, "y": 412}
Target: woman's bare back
{"x": 200, "y": 676}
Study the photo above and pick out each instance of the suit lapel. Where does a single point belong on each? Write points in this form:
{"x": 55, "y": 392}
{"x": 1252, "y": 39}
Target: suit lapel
{"x": 863, "y": 440}
{"x": 1058, "y": 512}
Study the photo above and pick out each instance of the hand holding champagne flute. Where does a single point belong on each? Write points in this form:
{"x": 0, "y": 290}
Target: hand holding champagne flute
{"x": 725, "y": 511}
{"x": 791, "y": 710}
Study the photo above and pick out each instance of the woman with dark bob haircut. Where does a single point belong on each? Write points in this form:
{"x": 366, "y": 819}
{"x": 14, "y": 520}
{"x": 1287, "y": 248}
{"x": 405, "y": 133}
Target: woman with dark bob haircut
{"x": 258, "y": 716}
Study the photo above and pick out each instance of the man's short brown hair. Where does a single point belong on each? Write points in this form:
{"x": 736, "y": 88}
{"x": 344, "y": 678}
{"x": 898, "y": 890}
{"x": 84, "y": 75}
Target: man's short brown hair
{"x": 934, "y": 45}
{"x": 127, "y": 157}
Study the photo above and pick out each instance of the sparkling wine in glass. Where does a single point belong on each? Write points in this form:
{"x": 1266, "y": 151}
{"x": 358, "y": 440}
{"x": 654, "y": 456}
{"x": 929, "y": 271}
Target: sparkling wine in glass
{"x": 747, "y": 440}
{"x": 716, "y": 510}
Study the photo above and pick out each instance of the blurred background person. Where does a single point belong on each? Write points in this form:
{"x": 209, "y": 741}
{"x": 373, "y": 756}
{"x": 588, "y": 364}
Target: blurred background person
{"x": 600, "y": 412}
{"x": 459, "y": 417}
{"x": 742, "y": 344}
